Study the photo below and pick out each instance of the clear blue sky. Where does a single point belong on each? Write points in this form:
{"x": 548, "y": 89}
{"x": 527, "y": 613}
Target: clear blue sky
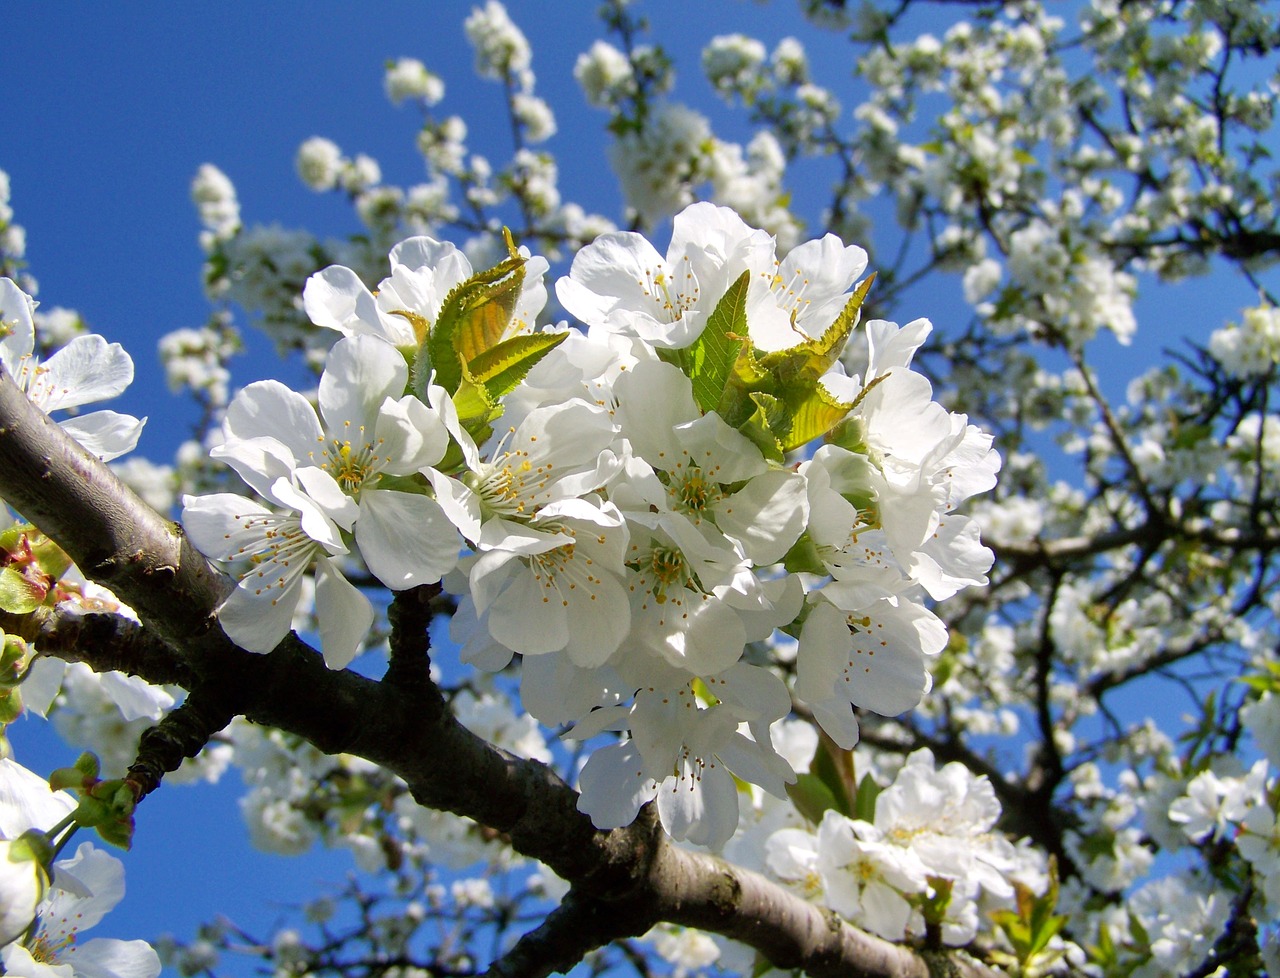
{"x": 110, "y": 109}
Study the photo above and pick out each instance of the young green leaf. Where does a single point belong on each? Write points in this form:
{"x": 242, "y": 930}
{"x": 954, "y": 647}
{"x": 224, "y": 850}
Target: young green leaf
{"x": 710, "y": 359}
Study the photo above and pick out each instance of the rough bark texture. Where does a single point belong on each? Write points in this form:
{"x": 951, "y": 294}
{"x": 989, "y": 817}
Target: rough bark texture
{"x": 623, "y": 880}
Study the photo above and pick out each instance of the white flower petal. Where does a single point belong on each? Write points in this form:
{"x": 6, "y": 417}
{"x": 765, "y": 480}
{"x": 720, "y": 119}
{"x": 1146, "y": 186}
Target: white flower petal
{"x": 17, "y": 329}
{"x": 336, "y": 298}
{"x": 527, "y": 616}
{"x": 258, "y": 622}
{"x": 701, "y": 806}
{"x": 267, "y": 408}
{"x": 216, "y": 524}
{"x": 360, "y": 373}
{"x": 345, "y": 615}
{"x": 767, "y": 515}
{"x": 87, "y": 369}
{"x": 27, "y": 801}
{"x": 100, "y": 875}
{"x": 135, "y": 698}
{"x": 105, "y": 434}
{"x": 105, "y": 957}
{"x": 405, "y": 538}
{"x": 613, "y": 786}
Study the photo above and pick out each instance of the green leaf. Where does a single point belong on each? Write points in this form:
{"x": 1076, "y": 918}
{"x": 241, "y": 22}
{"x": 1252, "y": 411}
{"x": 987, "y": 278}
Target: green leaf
{"x": 835, "y": 767}
{"x": 476, "y": 406}
{"x": 51, "y": 558}
{"x": 117, "y": 833}
{"x": 799, "y": 367}
{"x": 1033, "y": 924}
{"x": 710, "y": 359}
{"x": 864, "y": 804}
{"x": 816, "y": 413}
{"x": 933, "y": 906}
{"x": 488, "y": 315}
{"x": 759, "y": 426}
{"x": 803, "y": 557}
{"x": 812, "y": 797}
{"x": 19, "y": 595}
{"x": 10, "y": 705}
{"x": 776, "y": 398}
{"x": 473, "y": 318}
{"x": 502, "y": 367}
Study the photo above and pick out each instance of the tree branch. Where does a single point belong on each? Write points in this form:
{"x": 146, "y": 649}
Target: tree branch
{"x": 578, "y": 926}
{"x": 146, "y": 561}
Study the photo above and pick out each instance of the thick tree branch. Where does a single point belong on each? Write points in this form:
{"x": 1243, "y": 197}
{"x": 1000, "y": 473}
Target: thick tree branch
{"x": 107, "y": 642}
{"x": 121, "y": 543}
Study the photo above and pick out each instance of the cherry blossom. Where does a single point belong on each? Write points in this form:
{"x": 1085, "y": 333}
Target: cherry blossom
{"x": 85, "y": 370}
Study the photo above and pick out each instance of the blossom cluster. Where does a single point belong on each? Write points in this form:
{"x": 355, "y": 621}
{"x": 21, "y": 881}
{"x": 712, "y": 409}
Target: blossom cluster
{"x": 628, "y": 506}
{"x": 932, "y": 829}
{"x": 46, "y": 903}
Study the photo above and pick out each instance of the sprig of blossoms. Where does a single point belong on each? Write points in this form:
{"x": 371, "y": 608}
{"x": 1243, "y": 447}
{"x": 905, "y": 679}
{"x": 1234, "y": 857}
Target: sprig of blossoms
{"x": 628, "y": 507}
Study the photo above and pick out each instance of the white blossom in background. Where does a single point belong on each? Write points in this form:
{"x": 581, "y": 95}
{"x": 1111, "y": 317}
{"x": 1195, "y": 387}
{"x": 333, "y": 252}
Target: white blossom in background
{"x": 195, "y": 359}
{"x": 319, "y": 163}
{"x": 605, "y": 75}
{"x": 56, "y": 326}
{"x": 732, "y": 63}
{"x": 1182, "y": 920}
{"x": 1252, "y": 348}
{"x": 535, "y": 116}
{"x": 502, "y": 52}
{"x": 660, "y": 165}
{"x": 409, "y": 79}
{"x": 215, "y": 199}
{"x": 1262, "y": 719}
{"x": 358, "y": 174}
{"x": 689, "y": 951}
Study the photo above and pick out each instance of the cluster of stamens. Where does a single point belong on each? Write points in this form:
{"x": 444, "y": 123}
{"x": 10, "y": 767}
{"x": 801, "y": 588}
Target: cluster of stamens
{"x": 353, "y": 465}
{"x": 511, "y": 483}
{"x": 281, "y": 550}
{"x": 789, "y": 293}
{"x": 673, "y": 299}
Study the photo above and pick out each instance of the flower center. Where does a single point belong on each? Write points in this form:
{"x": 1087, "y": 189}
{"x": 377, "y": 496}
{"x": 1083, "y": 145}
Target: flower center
{"x": 694, "y": 493}
{"x": 673, "y": 298}
{"x": 32, "y": 380}
{"x": 510, "y": 481}
{"x": 354, "y": 465}
{"x": 669, "y": 571}
{"x": 46, "y": 950}
{"x": 789, "y": 293}
{"x": 279, "y": 551}
{"x": 864, "y": 871}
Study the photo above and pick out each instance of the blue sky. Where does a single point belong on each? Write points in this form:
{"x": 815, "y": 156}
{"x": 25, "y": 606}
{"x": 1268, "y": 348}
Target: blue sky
{"x": 110, "y": 110}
